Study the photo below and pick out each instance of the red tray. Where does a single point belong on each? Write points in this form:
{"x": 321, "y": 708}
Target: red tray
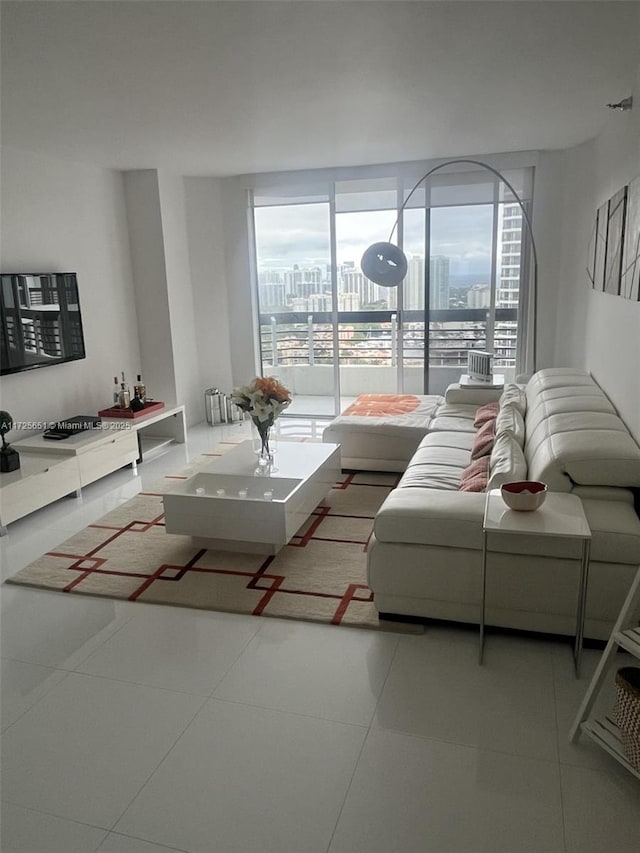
{"x": 115, "y": 412}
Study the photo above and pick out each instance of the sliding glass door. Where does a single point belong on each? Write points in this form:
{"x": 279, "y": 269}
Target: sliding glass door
{"x": 368, "y": 315}
{"x": 329, "y": 334}
{"x": 295, "y": 303}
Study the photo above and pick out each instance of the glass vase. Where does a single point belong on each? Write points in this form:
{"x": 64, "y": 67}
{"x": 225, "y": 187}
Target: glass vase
{"x": 263, "y": 441}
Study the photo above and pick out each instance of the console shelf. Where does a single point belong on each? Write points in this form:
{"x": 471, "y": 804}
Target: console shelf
{"x": 50, "y": 470}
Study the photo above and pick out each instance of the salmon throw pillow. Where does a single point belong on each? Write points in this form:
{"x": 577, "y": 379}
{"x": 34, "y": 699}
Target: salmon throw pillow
{"x": 486, "y": 413}
{"x": 484, "y": 440}
{"x": 475, "y": 476}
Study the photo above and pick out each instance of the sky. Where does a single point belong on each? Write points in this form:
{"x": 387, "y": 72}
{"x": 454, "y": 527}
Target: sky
{"x": 299, "y": 234}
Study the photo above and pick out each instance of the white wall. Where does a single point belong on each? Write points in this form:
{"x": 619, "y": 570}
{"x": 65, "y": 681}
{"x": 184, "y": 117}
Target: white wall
{"x": 150, "y": 284}
{"x": 205, "y": 233}
{"x": 547, "y": 227}
{"x": 59, "y": 216}
{"x": 180, "y": 297}
{"x": 241, "y": 301}
{"x": 597, "y": 331}
{"x": 162, "y": 283}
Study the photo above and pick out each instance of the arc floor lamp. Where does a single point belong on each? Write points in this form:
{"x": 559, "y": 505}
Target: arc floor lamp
{"x": 386, "y": 264}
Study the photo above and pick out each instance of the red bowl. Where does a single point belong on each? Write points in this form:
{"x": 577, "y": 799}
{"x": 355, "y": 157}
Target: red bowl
{"x": 524, "y": 495}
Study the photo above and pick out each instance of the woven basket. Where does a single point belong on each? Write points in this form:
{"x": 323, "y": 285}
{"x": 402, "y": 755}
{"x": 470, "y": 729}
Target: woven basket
{"x": 626, "y": 713}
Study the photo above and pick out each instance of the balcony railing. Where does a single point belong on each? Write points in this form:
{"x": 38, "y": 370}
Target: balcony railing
{"x": 379, "y": 338}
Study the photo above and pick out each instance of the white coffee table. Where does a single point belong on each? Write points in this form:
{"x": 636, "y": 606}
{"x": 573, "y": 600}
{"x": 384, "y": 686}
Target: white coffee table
{"x": 561, "y": 515}
{"x": 228, "y": 506}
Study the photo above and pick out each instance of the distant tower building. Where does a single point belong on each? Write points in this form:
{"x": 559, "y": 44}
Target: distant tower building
{"x": 413, "y": 293}
{"x": 479, "y": 296}
{"x": 313, "y": 278}
{"x": 352, "y": 281}
{"x": 320, "y": 302}
{"x": 272, "y": 297}
{"x": 508, "y": 294}
{"x": 270, "y": 277}
{"x": 302, "y": 283}
{"x": 439, "y": 282}
{"x": 508, "y": 286}
{"x": 348, "y": 302}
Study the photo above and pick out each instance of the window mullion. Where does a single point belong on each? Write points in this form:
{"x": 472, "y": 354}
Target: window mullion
{"x": 335, "y": 329}
{"x": 491, "y": 318}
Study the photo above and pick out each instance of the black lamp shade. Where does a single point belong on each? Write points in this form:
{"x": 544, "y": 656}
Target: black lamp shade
{"x": 384, "y": 264}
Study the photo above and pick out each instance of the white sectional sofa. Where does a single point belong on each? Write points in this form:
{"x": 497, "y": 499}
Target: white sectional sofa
{"x": 425, "y": 556}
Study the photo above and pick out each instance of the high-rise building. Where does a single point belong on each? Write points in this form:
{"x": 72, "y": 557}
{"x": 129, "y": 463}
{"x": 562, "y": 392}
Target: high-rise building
{"x": 272, "y": 296}
{"x": 413, "y": 285}
{"x": 348, "y": 302}
{"x": 439, "y": 282}
{"x": 270, "y": 277}
{"x": 351, "y": 281}
{"x": 508, "y": 294}
{"x": 302, "y": 282}
{"x": 320, "y": 302}
{"x": 479, "y": 296}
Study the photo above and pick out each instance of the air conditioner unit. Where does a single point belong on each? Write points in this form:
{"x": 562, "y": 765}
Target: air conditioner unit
{"x": 479, "y": 365}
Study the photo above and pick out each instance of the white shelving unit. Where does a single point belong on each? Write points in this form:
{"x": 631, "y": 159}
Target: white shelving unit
{"x": 51, "y": 470}
{"x": 156, "y": 429}
{"x": 626, "y": 636}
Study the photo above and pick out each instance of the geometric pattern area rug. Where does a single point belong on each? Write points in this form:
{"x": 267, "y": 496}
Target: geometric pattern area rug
{"x": 319, "y": 576}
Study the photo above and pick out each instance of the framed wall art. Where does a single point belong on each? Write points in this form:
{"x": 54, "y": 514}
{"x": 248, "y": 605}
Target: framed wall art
{"x": 598, "y": 248}
{"x": 615, "y": 235}
{"x": 630, "y": 282}
{"x": 613, "y": 261}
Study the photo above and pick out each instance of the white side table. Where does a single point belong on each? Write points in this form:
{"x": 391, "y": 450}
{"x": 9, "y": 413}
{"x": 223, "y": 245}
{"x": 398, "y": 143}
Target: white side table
{"x": 561, "y": 515}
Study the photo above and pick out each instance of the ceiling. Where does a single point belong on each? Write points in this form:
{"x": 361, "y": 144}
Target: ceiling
{"x": 223, "y": 88}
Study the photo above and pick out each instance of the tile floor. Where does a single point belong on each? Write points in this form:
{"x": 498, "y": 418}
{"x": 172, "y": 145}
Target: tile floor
{"x": 134, "y": 728}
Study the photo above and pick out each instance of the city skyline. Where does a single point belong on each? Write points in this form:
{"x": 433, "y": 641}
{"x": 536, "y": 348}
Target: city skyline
{"x": 309, "y": 288}
{"x": 300, "y": 234}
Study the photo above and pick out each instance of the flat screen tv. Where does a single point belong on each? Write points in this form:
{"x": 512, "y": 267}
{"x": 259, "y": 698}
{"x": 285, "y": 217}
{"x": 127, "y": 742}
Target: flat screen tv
{"x": 40, "y": 321}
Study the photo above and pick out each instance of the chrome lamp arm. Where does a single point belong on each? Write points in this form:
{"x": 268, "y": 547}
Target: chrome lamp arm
{"x": 386, "y": 264}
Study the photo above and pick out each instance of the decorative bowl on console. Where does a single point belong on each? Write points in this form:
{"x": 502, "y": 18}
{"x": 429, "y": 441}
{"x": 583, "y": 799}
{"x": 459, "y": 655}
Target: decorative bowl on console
{"x": 524, "y": 495}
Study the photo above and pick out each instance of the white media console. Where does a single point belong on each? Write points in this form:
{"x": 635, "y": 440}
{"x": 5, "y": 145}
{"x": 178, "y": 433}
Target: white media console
{"x": 49, "y": 470}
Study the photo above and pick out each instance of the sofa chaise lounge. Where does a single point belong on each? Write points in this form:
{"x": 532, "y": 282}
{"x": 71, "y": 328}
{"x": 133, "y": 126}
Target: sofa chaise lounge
{"x": 425, "y": 555}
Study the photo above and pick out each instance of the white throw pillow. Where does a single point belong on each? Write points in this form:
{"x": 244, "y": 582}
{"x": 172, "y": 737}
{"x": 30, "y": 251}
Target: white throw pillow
{"x": 515, "y": 395}
{"x": 507, "y": 462}
{"x": 510, "y": 420}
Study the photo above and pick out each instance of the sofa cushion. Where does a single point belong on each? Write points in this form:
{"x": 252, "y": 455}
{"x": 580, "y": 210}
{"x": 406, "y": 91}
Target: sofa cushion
{"x": 431, "y": 517}
{"x": 433, "y": 467}
{"x": 558, "y": 378}
{"x": 515, "y": 395}
{"x": 429, "y": 476}
{"x": 486, "y": 413}
{"x": 510, "y": 420}
{"x": 456, "y": 457}
{"x": 484, "y": 440}
{"x": 545, "y": 405}
{"x": 588, "y": 457}
{"x": 461, "y": 440}
{"x": 456, "y": 410}
{"x": 507, "y": 462}
{"x": 571, "y": 422}
{"x": 451, "y": 424}
{"x": 603, "y": 493}
{"x": 474, "y": 478}
{"x": 615, "y": 531}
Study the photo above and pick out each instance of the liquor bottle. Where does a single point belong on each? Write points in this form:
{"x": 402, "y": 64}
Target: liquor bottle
{"x": 116, "y": 392}
{"x": 124, "y": 397}
{"x": 139, "y": 389}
